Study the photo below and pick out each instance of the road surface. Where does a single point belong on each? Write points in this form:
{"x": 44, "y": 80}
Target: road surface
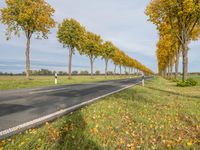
{"x": 27, "y": 108}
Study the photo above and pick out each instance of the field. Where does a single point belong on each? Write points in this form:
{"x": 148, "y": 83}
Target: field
{"x": 17, "y": 82}
{"x": 157, "y": 116}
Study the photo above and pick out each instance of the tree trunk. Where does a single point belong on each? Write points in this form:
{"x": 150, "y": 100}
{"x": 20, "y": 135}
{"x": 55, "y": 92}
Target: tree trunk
{"x": 115, "y": 69}
{"x": 120, "y": 67}
{"x": 125, "y": 70}
{"x": 164, "y": 72}
{"x": 70, "y": 63}
{"x": 171, "y": 70}
{"x": 168, "y": 71}
{"x": 185, "y": 61}
{"x": 106, "y": 67}
{"x": 27, "y": 53}
{"x": 177, "y": 64}
{"x": 91, "y": 63}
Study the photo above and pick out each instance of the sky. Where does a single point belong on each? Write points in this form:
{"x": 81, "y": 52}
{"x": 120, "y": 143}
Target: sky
{"x": 121, "y": 21}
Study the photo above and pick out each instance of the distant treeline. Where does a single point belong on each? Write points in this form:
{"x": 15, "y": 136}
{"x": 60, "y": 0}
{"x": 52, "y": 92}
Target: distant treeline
{"x": 47, "y": 72}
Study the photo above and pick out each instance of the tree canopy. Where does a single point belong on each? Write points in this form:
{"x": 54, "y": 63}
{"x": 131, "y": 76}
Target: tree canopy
{"x": 70, "y": 33}
{"x": 181, "y": 19}
{"x": 30, "y": 16}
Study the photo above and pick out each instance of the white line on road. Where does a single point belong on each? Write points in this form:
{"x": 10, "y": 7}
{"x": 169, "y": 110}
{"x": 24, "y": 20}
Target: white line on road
{"x": 58, "y": 113}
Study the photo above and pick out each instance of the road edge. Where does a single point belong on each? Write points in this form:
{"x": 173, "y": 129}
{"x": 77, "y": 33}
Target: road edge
{"x": 39, "y": 121}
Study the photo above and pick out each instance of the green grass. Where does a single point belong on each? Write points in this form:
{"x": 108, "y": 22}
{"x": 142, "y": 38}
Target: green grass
{"x": 197, "y": 78}
{"x": 157, "y": 116}
{"x": 18, "y": 82}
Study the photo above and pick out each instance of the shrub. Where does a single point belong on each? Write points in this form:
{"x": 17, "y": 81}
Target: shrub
{"x": 110, "y": 73}
{"x": 182, "y": 84}
{"x": 84, "y": 72}
{"x": 97, "y": 72}
{"x": 174, "y": 80}
{"x": 74, "y": 72}
{"x": 188, "y": 82}
{"x": 192, "y": 82}
{"x": 61, "y": 73}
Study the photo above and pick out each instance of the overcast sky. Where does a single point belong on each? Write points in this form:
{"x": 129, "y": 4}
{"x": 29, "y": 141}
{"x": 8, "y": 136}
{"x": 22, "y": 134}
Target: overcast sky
{"x": 121, "y": 21}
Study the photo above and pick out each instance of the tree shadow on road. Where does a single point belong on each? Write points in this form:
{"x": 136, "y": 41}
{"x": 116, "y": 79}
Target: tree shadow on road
{"x": 7, "y": 109}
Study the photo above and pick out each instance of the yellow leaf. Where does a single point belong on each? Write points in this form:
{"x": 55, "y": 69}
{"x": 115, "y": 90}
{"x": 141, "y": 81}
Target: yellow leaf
{"x": 189, "y": 143}
{"x": 1, "y": 145}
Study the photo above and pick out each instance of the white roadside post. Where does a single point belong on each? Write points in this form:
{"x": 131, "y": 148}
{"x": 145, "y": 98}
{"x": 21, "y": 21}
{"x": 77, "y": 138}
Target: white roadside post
{"x": 143, "y": 79}
{"x": 56, "y": 78}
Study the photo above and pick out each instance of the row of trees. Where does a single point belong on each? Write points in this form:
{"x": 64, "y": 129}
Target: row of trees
{"x": 178, "y": 23}
{"x": 47, "y": 72}
{"x": 35, "y": 16}
{"x": 76, "y": 38}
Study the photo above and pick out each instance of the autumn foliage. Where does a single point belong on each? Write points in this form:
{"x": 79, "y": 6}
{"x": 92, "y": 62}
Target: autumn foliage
{"x": 28, "y": 16}
{"x": 178, "y": 23}
{"x": 74, "y": 36}
{"x": 36, "y": 17}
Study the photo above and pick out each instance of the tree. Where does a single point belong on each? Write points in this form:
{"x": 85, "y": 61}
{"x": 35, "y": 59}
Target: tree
{"x": 107, "y": 53}
{"x": 70, "y": 34}
{"x": 173, "y": 49}
{"x": 118, "y": 59}
{"x": 182, "y": 15}
{"x": 115, "y": 59}
{"x": 91, "y": 46}
{"x": 29, "y": 16}
{"x": 166, "y": 52}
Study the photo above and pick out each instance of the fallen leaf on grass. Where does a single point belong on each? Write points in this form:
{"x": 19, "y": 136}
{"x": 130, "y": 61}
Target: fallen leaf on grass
{"x": 189, "y": 143}
{"x": 1, "y": 145}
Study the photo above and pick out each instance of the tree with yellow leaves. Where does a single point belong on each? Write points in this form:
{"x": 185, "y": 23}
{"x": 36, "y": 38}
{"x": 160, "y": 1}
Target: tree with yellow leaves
{"x": 183, "y": 16}
{"x": 171, "y": 45}
{"x": 121, "y": 59}
{"x": 107, "y": 52}
{"x": 167, "y": 48}
{"x": 71, "y": 34}
{"x": 116, "y": 58}
{"x": 91, "y": 46}
{"x": 29, "y": 16}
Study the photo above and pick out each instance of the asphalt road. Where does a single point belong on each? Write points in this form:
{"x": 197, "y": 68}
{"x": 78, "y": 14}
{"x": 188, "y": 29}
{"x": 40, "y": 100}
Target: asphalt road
{"x": 27, "y": 108}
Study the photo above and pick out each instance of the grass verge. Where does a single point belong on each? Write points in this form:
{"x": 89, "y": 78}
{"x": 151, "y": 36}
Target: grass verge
{"x": 18, "y": 82}
{"x": 157, "y": 116}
